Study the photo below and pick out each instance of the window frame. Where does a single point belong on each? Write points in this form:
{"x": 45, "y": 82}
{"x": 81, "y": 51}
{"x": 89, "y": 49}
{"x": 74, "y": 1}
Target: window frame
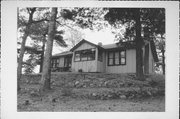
{"x": 87, "y": 56}
{"x": 55, "y": 63}
{"x": 77, "y": 52}
{"x": 120, "y": 56}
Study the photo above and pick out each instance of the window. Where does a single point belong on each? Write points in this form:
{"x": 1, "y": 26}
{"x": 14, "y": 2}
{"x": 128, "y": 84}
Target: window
{"x": 110, "y": 58}
{"x": 116, "y": 58}
{"x": 123, "y": 57}
{"x": 116, "y": 62}
{"x": 85, "y": 55}
{"x": 77, "y": 56}
{"x": 91, "y": 54}
{"x": 67, "y": 61}
{"x": 55, "y": 63}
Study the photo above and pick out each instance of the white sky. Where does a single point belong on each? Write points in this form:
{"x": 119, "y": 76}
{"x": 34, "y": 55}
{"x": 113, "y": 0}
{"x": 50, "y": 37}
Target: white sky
{"x": 104, "y": 36}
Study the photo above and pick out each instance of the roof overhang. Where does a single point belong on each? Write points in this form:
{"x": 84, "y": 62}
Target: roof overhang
{"x": 62, "y": 55}
{"x": 85, "y": 41}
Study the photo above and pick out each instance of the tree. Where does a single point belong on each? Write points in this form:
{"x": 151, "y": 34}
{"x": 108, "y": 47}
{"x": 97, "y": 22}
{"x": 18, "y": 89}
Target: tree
{"x": 46, "y": 74}
{"x": 139, "y": 43}
{"x": 37, "y": 35}
{"x": 39, "y": 38}
{"x": 130, "y": 15}
{"x": 24, "y": 26}
{"x": 24, "y": 38}
{"x": 138, "y": 19}
{"x": 154, "y": 29}
{"x": 160, "y": 44}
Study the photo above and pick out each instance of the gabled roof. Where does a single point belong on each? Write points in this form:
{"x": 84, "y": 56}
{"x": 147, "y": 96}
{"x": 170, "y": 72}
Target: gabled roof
{"x": 84, "y": 41}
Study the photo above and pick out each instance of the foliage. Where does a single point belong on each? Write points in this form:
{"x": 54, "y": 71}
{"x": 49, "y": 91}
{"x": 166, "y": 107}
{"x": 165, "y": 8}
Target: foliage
{"x": 157, "y": 80}
{"x": 37, "y": 33}
{"x": 142, "y": 23}
{"x": 152, "y": 20}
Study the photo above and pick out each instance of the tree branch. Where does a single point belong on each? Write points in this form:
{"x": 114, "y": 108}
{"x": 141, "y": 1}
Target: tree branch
{"x": 34, "y": 22}
{"x": 66, "y": 26}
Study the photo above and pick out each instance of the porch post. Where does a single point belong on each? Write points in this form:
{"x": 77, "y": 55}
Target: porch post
{"x": 72, "y": 63}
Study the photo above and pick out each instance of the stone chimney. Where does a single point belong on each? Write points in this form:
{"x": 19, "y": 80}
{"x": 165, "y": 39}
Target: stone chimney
{"x": 100, "y": 43}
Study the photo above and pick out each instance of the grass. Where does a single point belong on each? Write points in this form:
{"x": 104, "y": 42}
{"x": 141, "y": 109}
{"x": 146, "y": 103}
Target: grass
{"x": 75, "y": 92}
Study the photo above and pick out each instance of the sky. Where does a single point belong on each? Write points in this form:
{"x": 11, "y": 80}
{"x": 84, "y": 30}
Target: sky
{"x": 104, "y": 36}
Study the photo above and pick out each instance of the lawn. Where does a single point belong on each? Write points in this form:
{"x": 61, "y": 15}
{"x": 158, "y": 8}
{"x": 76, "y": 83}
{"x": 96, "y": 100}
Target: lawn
{"x": 93, "y": 92}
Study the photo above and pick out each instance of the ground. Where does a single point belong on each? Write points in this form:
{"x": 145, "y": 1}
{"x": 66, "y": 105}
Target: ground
{"x": 68, "y": 104}
{"x": 80, "y": 96}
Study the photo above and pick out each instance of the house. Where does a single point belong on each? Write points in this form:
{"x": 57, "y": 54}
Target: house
{"x": 112, "y": 58}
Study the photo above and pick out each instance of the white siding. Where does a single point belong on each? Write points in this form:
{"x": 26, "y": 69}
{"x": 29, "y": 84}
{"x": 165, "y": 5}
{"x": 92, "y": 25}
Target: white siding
{"x": 130, "y": 66}
{"x": 86, "y": 66}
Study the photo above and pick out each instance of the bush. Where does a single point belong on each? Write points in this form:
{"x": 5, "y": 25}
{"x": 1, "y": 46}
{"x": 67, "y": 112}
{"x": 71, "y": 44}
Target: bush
{"x": 157, "y": 80}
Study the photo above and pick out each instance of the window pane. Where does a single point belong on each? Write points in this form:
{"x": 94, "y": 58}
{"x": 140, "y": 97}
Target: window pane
{"x": 91, "y": 55}
{"x": 83, "y": 57}
{"x": 77, "y": 57}
{"x": 116, "y": 54}
{"x": 110, "y": 61}
{"x": 57, "y": 60}
{"x": 117, "y": 61}
{"x": 111, "y": 55}
{"x": 122, "y": 53}
{"x": 123, "y": 61}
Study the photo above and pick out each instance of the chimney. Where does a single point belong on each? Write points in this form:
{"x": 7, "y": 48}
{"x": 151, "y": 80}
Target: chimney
{"x": 100, "y": 43}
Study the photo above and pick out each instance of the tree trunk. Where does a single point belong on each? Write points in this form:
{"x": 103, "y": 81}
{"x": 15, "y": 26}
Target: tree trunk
{"x": 20, "y": 59}
{"x": 42, "y": 54}
{"x": 146, "y": 59}
{"x": 163, "y": 60}
{"x": 139, "y": 42}
{"x": 46, "y": 74}
{"x": 163, "y": 56}
{"x": 22, "y": 50}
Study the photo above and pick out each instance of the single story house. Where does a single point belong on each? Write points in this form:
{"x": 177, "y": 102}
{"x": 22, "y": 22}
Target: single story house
{"x": 112, "y": 58}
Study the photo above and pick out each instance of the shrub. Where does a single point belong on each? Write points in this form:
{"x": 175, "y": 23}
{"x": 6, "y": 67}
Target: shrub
{"x": 157, "y": 80}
